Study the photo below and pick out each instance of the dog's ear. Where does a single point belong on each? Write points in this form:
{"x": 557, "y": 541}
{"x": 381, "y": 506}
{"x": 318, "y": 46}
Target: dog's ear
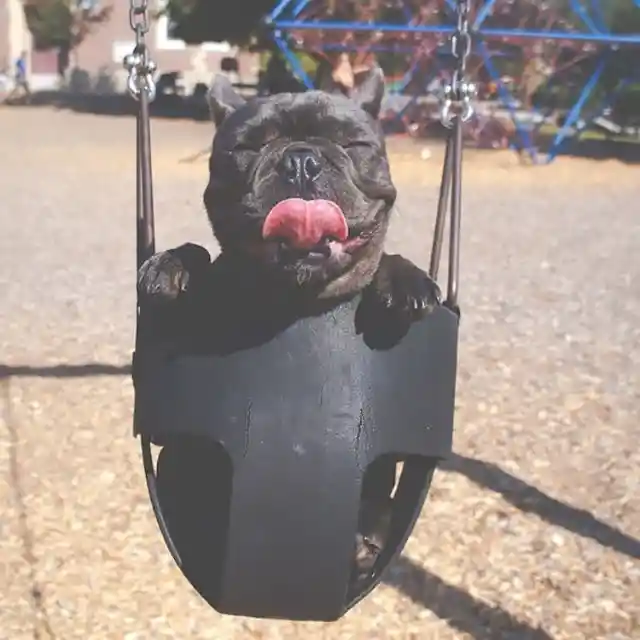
{"x": 368, "y": 93}
{"x": 223, "y": 99}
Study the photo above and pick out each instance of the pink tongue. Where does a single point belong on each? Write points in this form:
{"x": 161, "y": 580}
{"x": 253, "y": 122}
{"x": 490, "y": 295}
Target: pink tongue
{"x": 305, "y": 223}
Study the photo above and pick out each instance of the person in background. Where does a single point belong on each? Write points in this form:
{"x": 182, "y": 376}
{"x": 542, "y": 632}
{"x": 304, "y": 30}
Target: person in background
{"x": 21, "y": 81}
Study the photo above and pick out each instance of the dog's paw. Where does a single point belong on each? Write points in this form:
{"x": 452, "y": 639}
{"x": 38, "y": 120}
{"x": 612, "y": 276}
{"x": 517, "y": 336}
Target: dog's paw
{"x": 374, "y": 518}
{"x": 399, "y": 287}
{"x": 370, "y": 541}
{"x": 165, "y": 276}
{"x": 399, "y": 294}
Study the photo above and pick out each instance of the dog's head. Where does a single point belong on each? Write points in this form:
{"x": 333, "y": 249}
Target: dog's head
{"x": 301, "y": 183}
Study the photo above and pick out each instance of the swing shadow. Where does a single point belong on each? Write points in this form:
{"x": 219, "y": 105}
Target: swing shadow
{"x": 64, "y": 370}
{"x": 528, "y": 499}
{"x": 459, "y": 609}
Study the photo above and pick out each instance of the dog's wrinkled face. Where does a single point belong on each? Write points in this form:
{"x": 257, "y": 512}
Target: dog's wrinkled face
{"x": 301, "y": 183}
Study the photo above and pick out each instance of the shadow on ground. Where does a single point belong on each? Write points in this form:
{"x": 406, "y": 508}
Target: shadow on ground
{"x": 64, "y": 370}
{"x": 627, "y": 151}
{"x": 461, "y": 610}
{"x": 528, "y": 499}
{"x": 591, "y": 149}
{"x": 169, "y": 106}
{"x": 117, "y": 104}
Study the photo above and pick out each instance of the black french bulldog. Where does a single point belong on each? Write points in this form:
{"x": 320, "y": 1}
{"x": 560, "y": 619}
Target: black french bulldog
{"x": 299, "y": 198}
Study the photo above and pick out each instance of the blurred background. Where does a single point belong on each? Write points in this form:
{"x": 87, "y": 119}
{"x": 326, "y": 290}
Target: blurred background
{"x": 579, "y": 83}
{"x": 531, "y": 530}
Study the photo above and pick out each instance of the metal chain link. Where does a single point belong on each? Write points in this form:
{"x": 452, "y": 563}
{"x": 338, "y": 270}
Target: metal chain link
{"x": 138, "y": 63}
{"x": 460, "y": 92}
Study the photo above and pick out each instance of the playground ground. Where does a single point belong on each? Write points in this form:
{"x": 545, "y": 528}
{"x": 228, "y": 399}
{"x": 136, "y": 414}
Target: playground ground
{"x": 531, "y": 530}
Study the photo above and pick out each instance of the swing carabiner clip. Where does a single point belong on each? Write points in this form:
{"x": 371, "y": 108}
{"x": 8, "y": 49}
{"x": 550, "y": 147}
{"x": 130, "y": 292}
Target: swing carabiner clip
{"x": 138, "y": 63}
{"x": 141, "y": 71}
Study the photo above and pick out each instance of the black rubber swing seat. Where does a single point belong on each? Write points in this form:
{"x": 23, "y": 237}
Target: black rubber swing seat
{"x": 258, "y": 484}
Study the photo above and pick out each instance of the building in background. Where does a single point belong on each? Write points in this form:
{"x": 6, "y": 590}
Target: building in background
{"x": 14, "y": 35}
{"x": 96, "y": 64}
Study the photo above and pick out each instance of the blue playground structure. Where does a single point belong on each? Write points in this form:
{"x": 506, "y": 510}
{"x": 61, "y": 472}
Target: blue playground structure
{"x": 418, "y": 30}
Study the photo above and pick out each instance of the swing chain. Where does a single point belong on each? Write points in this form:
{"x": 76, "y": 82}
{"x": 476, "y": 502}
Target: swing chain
{"x": 142, "y": 87}
{"x": 460, "y": 92}
{"x": 138, "y": 63}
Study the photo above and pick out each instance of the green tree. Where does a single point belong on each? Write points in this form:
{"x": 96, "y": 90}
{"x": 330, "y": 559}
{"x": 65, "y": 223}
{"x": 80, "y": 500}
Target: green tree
{"x": 62, "y": 23}
{"x": 235, "y": 21}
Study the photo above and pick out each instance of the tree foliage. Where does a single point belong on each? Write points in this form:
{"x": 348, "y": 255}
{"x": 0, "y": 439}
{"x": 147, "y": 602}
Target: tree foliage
{"x": 235, "y": 21}
{"x": 62, "y": 23}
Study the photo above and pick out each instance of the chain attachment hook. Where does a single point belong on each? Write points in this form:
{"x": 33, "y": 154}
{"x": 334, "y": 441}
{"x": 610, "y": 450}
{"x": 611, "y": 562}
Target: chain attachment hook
{"x": 138, "y": 63}
{"x": 459, "y": 93}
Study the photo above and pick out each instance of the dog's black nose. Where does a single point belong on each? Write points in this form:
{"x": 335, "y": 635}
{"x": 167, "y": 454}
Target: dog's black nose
{"x": 301, "y": 167}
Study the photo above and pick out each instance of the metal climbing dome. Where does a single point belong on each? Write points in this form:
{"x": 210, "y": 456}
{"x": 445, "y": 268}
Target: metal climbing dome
{"x": 536, "y": 62}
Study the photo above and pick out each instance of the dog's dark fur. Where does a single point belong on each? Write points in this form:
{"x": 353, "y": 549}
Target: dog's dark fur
{"x": 263, "y": 278}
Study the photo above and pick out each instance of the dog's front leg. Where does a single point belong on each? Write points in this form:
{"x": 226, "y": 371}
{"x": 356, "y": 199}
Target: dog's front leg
{"x": 168, "y": 276}
{"x": 399, "y": 294}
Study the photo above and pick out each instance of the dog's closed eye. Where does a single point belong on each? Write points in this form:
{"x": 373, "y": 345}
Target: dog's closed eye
{"x": 246, "y": 146}
{"x": 357, "y": 144}
{"x": 256, "y": 144}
